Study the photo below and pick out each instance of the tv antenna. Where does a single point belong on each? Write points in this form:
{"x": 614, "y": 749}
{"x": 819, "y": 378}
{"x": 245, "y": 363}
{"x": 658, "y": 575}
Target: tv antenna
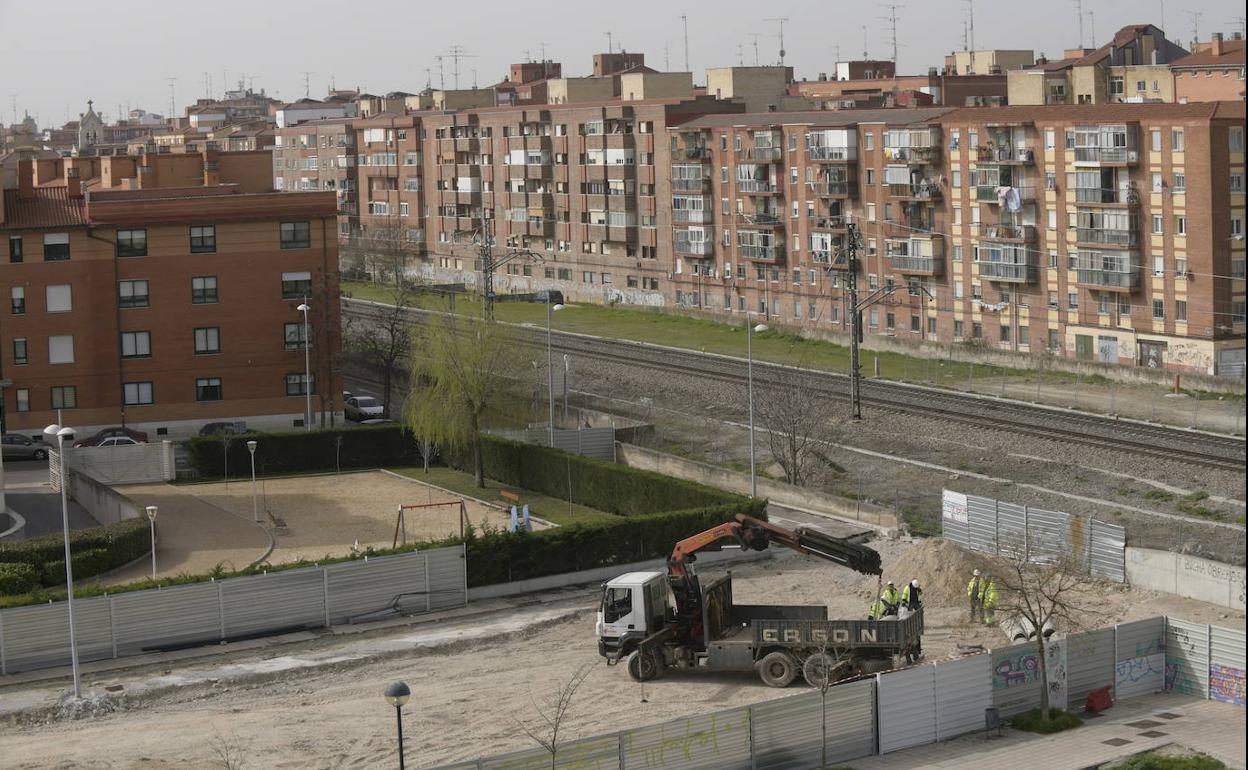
{"x": 756, "y": 36}
{"x": 441, "y": 74}
{"x": 684, "y": 21}
{"x": 969, "y": 35}
{"x": 1079, "y": 17}
{"x": 307, "y": 84}
{"x": 1195, "y": 23}
{"x": 1092, "y": 26}
{"x": 457, "y": 52}
{"x": 891, "y": 18}
{"x": 865, "y": 54}
{"x": 667, "y": 62}
{"x": 781, "y": 21}
{"x": 610, "y": 48}
{"x": 172, "y": 82}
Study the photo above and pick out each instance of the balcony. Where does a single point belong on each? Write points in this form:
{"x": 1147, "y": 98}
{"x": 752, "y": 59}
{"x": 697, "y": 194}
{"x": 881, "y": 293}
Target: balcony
{"x": 692, "y": 216}
{"x": 847, "y": 189}
{"x": 1005, "y": 155}
{"x": 986, "y": 193}
{"x": 1008, "y": 272}
{"x": 1102, "y": 237}
{"x": 691, "y": 185}
{"x": 1017, "y": 233}
{"x": 926, "y": 190}
{"x": 696, "y": 248}
{"x": 912, "y": 265}
{"x": 692, "y": 153}
{"x": 759, "y": 219}
{"x": 1115, "y": 197}
{"x": 1113, "y": 274}
{"x": 832, "y": 154}
{"x": 760, "y": 253}
{"x": 913, "y": 155}
{"x": 756, "y": 187}
{"x": 761, "y": 154}
{"x": 1106, "y": 156}
{"x": 828, "y": 223}
{"x": 917, "y": 256}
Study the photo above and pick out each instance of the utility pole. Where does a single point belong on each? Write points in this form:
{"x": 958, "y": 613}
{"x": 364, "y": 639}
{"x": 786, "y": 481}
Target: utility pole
{"x": 1092, "y": 26}
{"x": 892, "y": 20}
{"x": 484, "y": 239}
{"x": 667, "y": 62}
{"x": 780, "y": 21}
{"x": 740, "y": 55}
{"x": 852, "y": 241}
{"x": 970, "y": 24}
{"x": 684, "y": 20}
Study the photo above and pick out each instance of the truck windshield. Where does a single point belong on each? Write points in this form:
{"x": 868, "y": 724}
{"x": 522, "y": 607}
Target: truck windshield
{"x": 616, "y": 603}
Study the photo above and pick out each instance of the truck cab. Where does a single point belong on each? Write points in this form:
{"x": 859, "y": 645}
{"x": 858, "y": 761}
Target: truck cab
{"x": 633, "y": 606}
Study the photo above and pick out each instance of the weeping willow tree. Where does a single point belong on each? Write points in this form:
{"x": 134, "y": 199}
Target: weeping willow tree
{"x": 462, "y": 369}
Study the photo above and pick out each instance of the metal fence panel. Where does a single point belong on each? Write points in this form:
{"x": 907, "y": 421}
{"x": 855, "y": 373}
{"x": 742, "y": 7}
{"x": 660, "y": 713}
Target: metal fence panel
{"x": 38, "y": 636}
{"x": 146, "y": 620}
{"x": 982, "y": 518}
{"x": 907, "y": 707}
{"x": 590, "y": 442}
{"x": 599, "y": 753}
{"x": 1140, "y": 658}
{"x": 1187, "y": 657}
{"x": 1226, "y": 665}
{"x": 1089, "y": 664}
{"x": 360, "y": 587}
{"x": 268, "y": 603}
{"x": 1048, "y": 532}
{"x": 954, "y": 525}
{"x": 719, "y": 741}
{"x": 1108, "y": 552}
{"x": 851, "y": 721}
{"x": 1016, "y": 679}
{"x": 448, "y": 581}
{"x": 1011, "y": 528}
{"x": 963, "y": 692}
{"x": 788, "y": 732}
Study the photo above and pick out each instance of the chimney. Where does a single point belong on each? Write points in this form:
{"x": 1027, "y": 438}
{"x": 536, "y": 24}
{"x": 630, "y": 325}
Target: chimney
{"x": 212, "y": 172}
{"x": 73, "y": 184}
{"x": 26, "y": 178}
{"x": 1216, "y": 46}
{"x": 931, "y": 72}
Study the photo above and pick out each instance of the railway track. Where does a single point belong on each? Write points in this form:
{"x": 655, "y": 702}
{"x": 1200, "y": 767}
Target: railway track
{"x": 1130, "y": 436}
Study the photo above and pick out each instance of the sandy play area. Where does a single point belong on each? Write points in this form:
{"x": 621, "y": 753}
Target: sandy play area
{"x": 329, "y": 514}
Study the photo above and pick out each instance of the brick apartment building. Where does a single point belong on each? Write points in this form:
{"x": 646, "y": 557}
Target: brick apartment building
{"x": 160, "y": 292}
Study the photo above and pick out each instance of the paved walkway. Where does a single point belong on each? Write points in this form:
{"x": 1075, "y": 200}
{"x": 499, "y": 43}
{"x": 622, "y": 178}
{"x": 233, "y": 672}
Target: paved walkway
{"x": 1130, "y": 727}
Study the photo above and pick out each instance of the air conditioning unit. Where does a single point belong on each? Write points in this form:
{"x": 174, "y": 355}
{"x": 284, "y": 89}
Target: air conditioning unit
{"x": 1133, "y": 156}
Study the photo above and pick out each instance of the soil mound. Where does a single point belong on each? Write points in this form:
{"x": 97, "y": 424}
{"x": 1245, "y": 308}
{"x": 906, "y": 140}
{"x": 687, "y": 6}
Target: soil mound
{"x": 942, "y": 569}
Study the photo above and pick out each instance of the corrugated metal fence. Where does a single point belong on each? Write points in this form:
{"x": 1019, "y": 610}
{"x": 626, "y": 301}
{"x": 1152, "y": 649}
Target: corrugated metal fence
{"x": 917, "y": 705}
{"x": 1005, "y": 529}
{"x": 598, "y": 443}
{"x": 125, "y": 464}
{"x": 137, "y": 622}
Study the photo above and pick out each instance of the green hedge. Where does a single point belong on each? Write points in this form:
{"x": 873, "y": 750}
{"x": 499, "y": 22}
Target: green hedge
{"x": 364, "y": 447}
{"x": 96, "y": 550}
{"x": 17, "y": 578}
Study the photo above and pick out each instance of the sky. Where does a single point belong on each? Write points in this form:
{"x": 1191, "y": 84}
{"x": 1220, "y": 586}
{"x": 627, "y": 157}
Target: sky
{"x": 124, "y": 52}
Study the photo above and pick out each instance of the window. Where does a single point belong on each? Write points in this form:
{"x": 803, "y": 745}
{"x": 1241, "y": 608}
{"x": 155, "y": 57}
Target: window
{"x": 1072, "y": 300}
{"x": 870, "y": 212}
{"x": 1154, "y": 138}
{"x": 23, "y": 399}
{"x": 1159, "y": 264}
{"x": 132, "y": 243}
{"x": 15, "y": 248}
{"x": 204, "y": 290}
{"x": 300, "y": 384}
{"x": 1159, "y": 310}
{"x": 132, "y": 293}
{"x": 204, "y": 239}
{"x": 207, "y": 340}
{"x": 958, "y": 329}
{"x": 1180, "y": 224}
{"x": 1159, "y": 183}
{"x": 1238, "y": 310}
{"x": 19, "y": 351}
{"x": 60, "y": 298}
{"x": 55, "y": 247}
{"x": 1052, "y": 219}
{"x": 1050, "y": 139}
{"x": 956, "y": 178}
{"x": 1235, "y": 135}
{"x": 208, "y": 389}
{"x": 296, "y": 285}
{"x": 18, "y": 300}
{"x": 1159, "y": 226}
{"x": 1180, "y": 310}
{"x": 1176, "y": 140}
{"x": 1115, "y": 85}
{"x": 1180, "y": 182}
{"x": 64, "y": 397}
{"x": 868, "y": 141}
{"x": 138, "y": 393}
{"x": 296, "y": 235}
{"x": 1237, "y": 226}
{"x": 136, "y": 344}
{"x": 1237, "y": 183}
{"x": 870, "y": 176}
{"x": 295, "y": 337}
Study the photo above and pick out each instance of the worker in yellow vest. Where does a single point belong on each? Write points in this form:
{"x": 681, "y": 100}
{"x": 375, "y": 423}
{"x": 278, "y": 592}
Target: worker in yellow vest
{"x": 975, "y": 594}
{"x": 891, "y": 598}
{"x": 989, "y": 599}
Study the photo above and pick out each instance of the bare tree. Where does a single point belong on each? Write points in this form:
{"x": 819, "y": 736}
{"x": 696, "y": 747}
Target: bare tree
{"x": 800, "y": 422}
{"x": 385, "y": 341}
{"x": 1041, "y": 584}
{"x": 553, "y": 714}
{"x": 227, "y": 751}
{"x": 822, "y": 670}
{"x": 384, "y": 249}
{"x": 462, "y": 368}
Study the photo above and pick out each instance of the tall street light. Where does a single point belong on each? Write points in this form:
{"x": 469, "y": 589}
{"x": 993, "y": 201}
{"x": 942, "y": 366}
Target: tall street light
{"x": 307, "y": 366}
{"x": 550, "y": 368}
{"x": 60, "y": 434}
{"x": 750, "y": 331}
{"x": 151, "y": 517}
{"x": 255, "y": 510}
{"x": 397, "y": 695}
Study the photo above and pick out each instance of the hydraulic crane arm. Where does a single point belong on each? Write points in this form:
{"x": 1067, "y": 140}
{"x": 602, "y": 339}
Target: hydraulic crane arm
{"x": 757, "y": 535}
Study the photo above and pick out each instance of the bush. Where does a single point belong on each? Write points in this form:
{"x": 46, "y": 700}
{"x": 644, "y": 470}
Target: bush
{"x": 96, "y": 550}
{"x": 318, "y": 450}
{"x": 1153, "y": 760}
{"x": 17, "y": 578}
{"x": 1058, "y": 721}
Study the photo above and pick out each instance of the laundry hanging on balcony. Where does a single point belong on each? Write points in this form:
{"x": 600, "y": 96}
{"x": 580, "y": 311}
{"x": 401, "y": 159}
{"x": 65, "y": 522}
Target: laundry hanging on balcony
{"x": 1008, "y": 198}
{"x": 995, "y": 307}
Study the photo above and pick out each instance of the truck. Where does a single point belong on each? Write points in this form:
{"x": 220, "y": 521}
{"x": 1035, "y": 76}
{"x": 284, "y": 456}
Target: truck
{"x": 655, "y": 621}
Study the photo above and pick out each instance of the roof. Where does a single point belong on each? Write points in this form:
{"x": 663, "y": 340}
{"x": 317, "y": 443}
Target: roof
{"x": 313, "y": 105}
{"x": 1232, "y": 56}
{"x": 47, "y": 207}
{"x": 831, "y": 118}
{"x": 1095, "y": 112}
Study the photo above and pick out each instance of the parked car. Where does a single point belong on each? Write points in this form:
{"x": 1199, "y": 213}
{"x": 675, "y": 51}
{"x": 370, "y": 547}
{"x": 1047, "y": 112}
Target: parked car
{"x": 137, "y": 436}
{"x": 362, "y": 408}
{"x": 223, "y": 429}
{"x": 551, "y": 296}
{"x": 377, "y": 421}
{"x": 118, "y": 441}
{"x": 19, "y": 447}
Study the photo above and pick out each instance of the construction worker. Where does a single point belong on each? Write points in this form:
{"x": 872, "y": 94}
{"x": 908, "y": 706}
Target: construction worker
{"x": 910, "y": 596}
{"x": 989, "y": 600}
{"x": 881, "y": 609}
{"x": 891, "y": 597}
{"x": 975, "y": 593}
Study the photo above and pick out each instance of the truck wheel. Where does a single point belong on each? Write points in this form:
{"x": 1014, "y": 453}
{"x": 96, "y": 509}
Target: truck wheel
{"x": 643, "y": 667}
{"x": 777, "y": 669}
{"x": 820, "y": 669}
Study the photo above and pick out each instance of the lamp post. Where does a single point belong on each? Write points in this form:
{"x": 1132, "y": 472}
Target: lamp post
{"x": 255, "y": 511}
{"x": 60, "y": 434}
{"x": 550, "y": 368}
{"x": 151, "y": 517}
{"x": 397, "y": 694}
{"x": 750, "y": 330}
{"x": 307, "y": 367}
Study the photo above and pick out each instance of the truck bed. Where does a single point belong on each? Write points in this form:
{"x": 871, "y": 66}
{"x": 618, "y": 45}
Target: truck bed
{"x": 888, "y": 634}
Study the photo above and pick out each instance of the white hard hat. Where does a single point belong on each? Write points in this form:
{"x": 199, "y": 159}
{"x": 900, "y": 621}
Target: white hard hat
{"x": 975, "y": 573}
{"x": 914, "y": 583}
{"x": 889, "y": 582}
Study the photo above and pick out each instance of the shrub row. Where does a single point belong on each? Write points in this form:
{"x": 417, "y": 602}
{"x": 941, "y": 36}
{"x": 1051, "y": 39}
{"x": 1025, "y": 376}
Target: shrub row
{"x": 318, "y": 450}
{"x": 17, "y": 578}
{"x": 96, "y": 550}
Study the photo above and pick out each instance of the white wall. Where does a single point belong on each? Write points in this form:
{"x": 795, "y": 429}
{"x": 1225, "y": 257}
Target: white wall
{"x": 1188, "y": 576}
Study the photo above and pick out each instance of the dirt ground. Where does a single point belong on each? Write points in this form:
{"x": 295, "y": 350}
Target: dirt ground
{"x": 329, "y": 514}
{"x": 468, "y": 696}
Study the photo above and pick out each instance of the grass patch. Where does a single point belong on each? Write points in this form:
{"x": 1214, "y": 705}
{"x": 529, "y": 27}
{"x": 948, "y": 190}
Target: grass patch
{"x": 550, "y": 508}
{"x": 1195, "y": 497}
{"x": 1159, "y": 495}
{"x": 1155, "y": 760}
{"x": 1058, "y": 721}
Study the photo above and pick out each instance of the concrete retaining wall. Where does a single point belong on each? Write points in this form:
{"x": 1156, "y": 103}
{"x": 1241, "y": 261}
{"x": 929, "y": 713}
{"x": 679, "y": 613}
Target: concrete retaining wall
{"x": 106, "y": 505}
{"x": 1187, "y": 576}
{"x": 776, "y": 491}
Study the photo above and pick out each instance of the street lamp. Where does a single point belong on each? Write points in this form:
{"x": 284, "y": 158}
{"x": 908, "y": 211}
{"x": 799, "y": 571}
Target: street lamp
{"x": 307, "y": 366}
{"x": 750, "y": 331}
{"x": 397, "y": 694}
{"x": 60, "y": 434}
{"x": 151, "y": 517}
{"x": 255, "y": 511}
{"x": 550, "y": 368}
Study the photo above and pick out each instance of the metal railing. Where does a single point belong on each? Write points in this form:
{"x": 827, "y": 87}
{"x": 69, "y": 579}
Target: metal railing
{"x": 925, "y": 190}
{"x": 1005, "y": 155}
{"x": 693, "y": 247}
{"x": 1112, "y": 237}
{"x": 755, "y": 186}
{"x": 751, "y": 251}
{"x": 1108, "y": 279}
{"x": 1008, "y": 271}
{"x": 696, "y": 216}
{"x": 828, "y": 223}
{"x": 1106, "y": 155}
{"x": 832, "y": 153}
{"x": 1009, "y": 232}
{"x": 908, "y": 264}
{"x": 690, "y": 185}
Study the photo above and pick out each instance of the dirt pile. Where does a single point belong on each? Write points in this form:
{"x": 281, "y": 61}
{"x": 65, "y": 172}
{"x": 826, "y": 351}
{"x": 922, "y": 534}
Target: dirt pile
{"x": 941, "y": 568}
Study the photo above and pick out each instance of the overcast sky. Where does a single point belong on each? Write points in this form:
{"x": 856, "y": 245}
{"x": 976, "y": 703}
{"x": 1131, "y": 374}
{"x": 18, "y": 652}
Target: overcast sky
{"x": 122, "y": 52}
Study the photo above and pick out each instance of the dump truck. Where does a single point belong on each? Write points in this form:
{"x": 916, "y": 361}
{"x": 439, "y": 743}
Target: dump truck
{"x": 656, "y": 621}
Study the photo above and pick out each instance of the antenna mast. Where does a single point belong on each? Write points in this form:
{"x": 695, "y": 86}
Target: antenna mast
{"x": 892, "y": 21}
{"x": 684, "y": 20}
{"x": 780, "y": 21}
{"x": 172, "y": 107}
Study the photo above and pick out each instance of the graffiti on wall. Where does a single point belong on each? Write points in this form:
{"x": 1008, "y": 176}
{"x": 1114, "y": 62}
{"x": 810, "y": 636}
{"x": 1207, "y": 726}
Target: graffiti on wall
{"x": 1018, "y": 669}
{"x": 1226, "y": 684}
{"x": 721, "y": 735}
{"x": 1142, "y": 671}
{"x": 1055, "y": 668}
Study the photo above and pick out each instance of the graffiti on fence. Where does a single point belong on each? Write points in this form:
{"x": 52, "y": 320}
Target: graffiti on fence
{"x": 1020, "y": 669}
{"x": 1055, "y": 669}
{"x": 593, "y": 754}
{"x": 1133, "y": 670}
{"x": 1151, "y": 647}
{"x": 1226, "y": 684}
{"x": 1179, "y": 679}
{"x": 719, "y": 734}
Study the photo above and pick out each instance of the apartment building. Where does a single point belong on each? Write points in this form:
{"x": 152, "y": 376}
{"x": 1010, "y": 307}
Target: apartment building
{"x": 161, "y": 292}
{"x": 1213, "y": 72}
{"x": 320, "y": 155}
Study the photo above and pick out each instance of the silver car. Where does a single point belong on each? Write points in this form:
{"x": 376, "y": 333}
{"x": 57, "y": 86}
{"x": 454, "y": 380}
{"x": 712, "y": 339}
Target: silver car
{"x": 362, "y": 408}
{"x": 19, "y": 447}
